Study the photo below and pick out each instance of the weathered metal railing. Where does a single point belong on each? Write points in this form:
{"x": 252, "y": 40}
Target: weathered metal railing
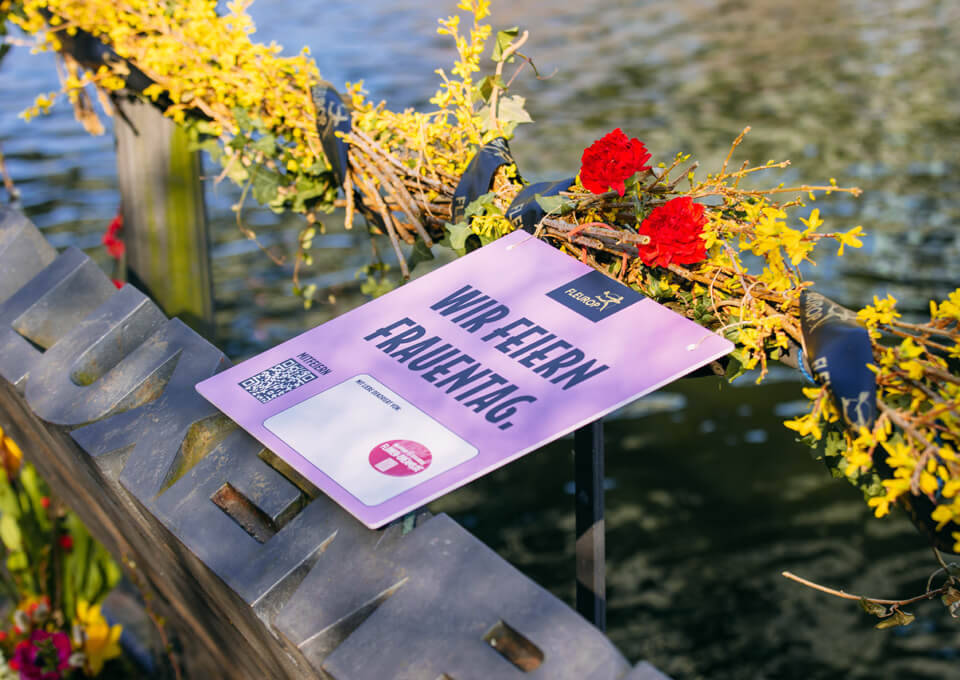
{"x": 261, "y": 577}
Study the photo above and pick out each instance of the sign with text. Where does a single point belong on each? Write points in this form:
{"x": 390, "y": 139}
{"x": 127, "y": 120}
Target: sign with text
{"x": 457, "y": 373}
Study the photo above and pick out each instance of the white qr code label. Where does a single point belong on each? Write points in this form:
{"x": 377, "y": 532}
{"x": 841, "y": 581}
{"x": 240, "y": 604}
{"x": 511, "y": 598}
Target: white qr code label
{"x": 277, "y": 380}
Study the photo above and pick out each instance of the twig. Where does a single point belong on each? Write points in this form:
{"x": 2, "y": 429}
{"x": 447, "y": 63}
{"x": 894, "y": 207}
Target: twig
{"x": 929, "y": 595}
{"x": 495, "y": 93}
{"x": 366, "y": 187}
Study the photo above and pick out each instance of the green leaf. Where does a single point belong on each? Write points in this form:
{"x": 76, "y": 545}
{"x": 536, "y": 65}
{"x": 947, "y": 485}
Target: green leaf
{"x": 485, "y": 87}
{"x": 375, "y": 288}
{"x": 238, "y": 142}
{"x": 459, "y": 233}
{"x": 734, "y": 366}
{"x": 266, "y": 145}
{"x": 244, "y": 122}
{"x": 10, "y": 533}
{"x": 265, "y": 185}
{"x": 510, "y": 113}
{"x": 872, "y": 608}
{"x": 420, "y": 253}
{"x": 504, "y": 40}
{"x": 482, "y": 205}
{"x": 309, "y": 188}
{"x": 555, "y": 205}
{"x": 835, "y": 444}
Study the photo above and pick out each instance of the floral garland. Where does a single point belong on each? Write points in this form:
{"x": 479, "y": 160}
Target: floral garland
{"x": 725, "y": 256}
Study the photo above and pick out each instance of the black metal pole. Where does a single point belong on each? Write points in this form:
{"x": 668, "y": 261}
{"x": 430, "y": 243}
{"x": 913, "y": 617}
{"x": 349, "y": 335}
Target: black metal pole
{"x": 590, "y": 547}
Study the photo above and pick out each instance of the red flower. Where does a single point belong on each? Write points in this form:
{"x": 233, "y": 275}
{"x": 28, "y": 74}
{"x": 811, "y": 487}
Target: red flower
{"x": 45, "y": 502}
{"x": 117, "y": 283}
{"x": 111, "y": 240}
{"x": 611, "y": 160}
{"x": 66, "y": 542}
{"x": 674, "y": 230}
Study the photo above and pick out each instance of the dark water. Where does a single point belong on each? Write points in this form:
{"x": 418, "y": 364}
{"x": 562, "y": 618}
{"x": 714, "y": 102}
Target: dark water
{"x": 709, "y": 497}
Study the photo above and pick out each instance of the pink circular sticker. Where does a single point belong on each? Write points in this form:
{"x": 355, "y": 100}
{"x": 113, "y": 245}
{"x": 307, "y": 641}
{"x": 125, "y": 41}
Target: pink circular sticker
{"x": 400, "y": 457}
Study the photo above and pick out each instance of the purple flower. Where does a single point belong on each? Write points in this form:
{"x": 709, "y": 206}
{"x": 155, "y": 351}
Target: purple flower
{"x": 44, "y": 656}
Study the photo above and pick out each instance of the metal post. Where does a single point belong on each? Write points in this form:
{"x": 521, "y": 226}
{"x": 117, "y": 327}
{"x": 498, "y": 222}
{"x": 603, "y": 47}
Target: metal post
{"x": 164, "y": 217}
{"x": 590, "y": 547}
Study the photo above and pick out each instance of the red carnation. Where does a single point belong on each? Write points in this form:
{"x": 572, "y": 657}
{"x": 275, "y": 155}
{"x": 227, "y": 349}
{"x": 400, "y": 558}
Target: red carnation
{"x": 674, "y": 230}
{"x": 610, "y": 161}
{"x": 111, "y": 238}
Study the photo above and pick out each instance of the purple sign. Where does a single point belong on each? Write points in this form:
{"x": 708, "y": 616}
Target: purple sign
{"x": 457, "y": 373}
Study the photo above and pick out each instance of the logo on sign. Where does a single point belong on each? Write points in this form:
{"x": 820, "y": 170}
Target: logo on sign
{"x": 400, "y": 457}
{"x": 595, "y": 296}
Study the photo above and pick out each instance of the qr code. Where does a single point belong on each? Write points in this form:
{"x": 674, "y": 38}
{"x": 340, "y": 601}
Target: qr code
{"x": 277, "y": 380}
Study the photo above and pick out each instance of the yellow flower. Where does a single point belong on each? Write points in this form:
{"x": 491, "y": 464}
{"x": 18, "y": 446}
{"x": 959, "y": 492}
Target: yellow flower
{"x": 850, "y": 238}
{"x": 813, "y": 222}
{"x": 11, "y": 456}
{"x": 100, "y": 641}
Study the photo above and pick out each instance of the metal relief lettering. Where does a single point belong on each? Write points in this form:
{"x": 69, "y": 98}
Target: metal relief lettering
{"x": 231, "y": 508}
{"x": 100, "y": 367}
{"x": 164, "y": 435}
{"x": 46, "y": 308}
{"x": 23, "y": 251}
{"x": 451, "y": 630}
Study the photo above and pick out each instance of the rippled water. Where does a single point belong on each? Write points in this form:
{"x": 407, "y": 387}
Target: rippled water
{"x": 709, "y": 497}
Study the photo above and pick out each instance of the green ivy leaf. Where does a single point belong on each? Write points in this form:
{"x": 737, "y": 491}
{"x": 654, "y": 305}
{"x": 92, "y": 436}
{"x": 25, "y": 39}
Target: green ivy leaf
{"x": 266, "y": 183}
{"x": 420, "y": 253}
{"x": 266, "y": 145}
{"x": 734, "y": 366}
{"x": 482, "y": 205}
{"x": 309, "y": 188}
{"x": 485, "y": 87}
{"x": 459, "y": 233}
{"x": 242, "y": 117}
{"x": 555, "y": 205}
{"x": 504, "y": 40}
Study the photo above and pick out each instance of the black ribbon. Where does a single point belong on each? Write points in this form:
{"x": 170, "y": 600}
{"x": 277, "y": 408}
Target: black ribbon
{"x": 332, "y": 117}
{"x": 525, "y": 212}
{"x": 478, "y": 176}
{"x": 838, "y": 351}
